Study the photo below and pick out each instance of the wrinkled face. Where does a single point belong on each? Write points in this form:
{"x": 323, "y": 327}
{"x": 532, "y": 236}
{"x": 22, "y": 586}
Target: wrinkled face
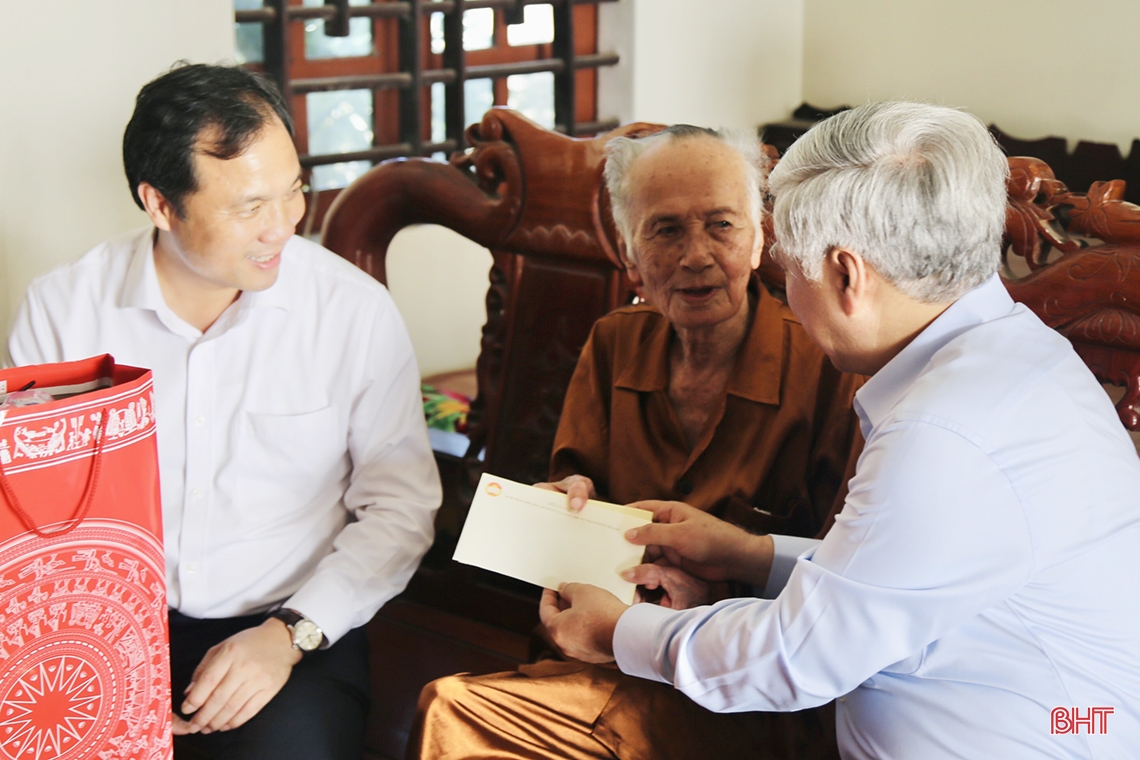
{"x": 692, "y": 240}
{"x": 244, "y": 211}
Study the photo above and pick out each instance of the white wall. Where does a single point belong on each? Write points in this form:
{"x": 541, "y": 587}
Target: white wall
{"x": 69, "y": 73}
{"x": 1033, "y": 67}
{"x": 438, "y": 279}
{"x": 731, "y": 63}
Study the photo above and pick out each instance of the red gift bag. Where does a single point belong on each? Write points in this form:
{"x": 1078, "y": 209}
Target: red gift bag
{"x": 84, "y": 652}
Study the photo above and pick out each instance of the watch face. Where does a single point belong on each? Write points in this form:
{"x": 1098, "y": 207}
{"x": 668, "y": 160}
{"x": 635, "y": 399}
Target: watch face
{"x": 307, "y": 636}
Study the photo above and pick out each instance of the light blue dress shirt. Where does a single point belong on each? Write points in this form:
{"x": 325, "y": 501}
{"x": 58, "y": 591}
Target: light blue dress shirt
{"x": 984, "y": 571}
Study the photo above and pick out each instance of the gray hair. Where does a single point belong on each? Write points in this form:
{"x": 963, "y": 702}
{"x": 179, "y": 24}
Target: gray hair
{"x": 621, "y": 152}
{"x": 918, "y": 190}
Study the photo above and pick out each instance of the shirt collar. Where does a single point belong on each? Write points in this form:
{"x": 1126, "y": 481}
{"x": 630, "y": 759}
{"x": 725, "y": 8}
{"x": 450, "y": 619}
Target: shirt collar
{"x": 279, "y": 294}
{"x": 140, "y": 286}
{"x": 759, "y": 367}
{"x": 142, "y": 291}
{"x": 878, "y": 396}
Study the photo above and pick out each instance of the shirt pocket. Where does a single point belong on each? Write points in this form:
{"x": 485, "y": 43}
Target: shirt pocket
{"x": 298, "y": 449}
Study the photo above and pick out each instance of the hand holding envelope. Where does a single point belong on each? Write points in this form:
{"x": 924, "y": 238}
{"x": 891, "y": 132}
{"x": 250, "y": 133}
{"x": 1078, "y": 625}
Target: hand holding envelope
{"x": 532, "y": 535}
{"x": 529, "y": 534}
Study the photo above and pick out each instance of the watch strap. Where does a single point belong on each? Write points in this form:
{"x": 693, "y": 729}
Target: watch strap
{"x": 287, "y": 616}
{"x": 290, "y": 618}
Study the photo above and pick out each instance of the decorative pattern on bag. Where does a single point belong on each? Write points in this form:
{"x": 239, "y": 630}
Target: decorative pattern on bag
{"x": 83, "y": 645}
{"x": 41, "y": 440}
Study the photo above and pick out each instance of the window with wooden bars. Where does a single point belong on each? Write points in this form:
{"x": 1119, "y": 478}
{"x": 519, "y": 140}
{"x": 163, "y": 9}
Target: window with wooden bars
{"x": 374, "y": 79}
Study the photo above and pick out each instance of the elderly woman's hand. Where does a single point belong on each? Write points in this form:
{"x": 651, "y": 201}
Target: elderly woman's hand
{"x": 682, "y": 591}
{"x": 580, "y": 619}
{"x": 578, "y": 488}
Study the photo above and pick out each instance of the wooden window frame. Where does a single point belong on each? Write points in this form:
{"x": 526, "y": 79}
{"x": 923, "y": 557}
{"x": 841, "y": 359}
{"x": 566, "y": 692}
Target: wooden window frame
{"x": 401, "y": 70}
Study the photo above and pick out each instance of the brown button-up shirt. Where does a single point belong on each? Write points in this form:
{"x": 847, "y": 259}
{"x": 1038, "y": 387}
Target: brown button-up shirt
{"x": 778, "y": 457}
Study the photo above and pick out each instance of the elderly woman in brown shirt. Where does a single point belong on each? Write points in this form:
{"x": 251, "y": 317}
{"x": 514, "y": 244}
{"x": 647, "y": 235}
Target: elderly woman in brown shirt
{"x": 711, "y": 393}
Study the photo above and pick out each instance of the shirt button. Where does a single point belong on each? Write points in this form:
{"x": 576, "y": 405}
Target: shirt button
{"x": 843, "y": 699}
{"x": 199, "y": 420}
{"x": 196, "y": 493}
{"x": 684, "y": 487}
{"x": 191, "y": 569}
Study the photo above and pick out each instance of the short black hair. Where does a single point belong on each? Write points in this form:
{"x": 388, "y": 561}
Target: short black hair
{"x": 171, "y": 113}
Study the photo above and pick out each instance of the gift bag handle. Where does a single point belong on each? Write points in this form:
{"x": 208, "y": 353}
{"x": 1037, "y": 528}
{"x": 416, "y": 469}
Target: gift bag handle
{"x": 85, "y": 501}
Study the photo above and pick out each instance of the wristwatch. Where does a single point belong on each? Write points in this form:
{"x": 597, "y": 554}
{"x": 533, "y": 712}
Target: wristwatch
{"x": 307, "y": 635}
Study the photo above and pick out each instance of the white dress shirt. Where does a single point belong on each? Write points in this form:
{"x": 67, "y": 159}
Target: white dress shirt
{"x": 984, "y": 570}
{"x": 293, "y": 454}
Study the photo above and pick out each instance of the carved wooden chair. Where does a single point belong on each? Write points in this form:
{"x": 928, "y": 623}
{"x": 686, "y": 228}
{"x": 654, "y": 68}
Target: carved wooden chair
{"x": 1074, "y": 258}
{"x": 536, "y": 200}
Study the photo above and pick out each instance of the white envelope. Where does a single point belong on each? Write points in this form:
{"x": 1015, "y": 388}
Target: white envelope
{"x": 530, "y": 534}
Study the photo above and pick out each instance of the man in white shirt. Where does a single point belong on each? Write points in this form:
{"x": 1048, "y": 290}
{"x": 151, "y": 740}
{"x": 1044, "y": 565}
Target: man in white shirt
{"x": 978, "y": 595}
{"x": 298, "y": 484}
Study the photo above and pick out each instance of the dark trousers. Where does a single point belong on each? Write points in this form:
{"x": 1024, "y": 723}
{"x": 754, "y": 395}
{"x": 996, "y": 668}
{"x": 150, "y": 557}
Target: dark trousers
{"x": 320, "y": 712}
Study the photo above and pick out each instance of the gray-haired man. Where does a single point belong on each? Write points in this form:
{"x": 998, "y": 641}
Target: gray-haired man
{"x": 970, "y": 585}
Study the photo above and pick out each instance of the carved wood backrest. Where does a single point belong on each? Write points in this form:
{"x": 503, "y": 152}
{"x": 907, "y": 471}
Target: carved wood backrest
{"x": 1074, "y": 258}
{"x": 536, "y": 199}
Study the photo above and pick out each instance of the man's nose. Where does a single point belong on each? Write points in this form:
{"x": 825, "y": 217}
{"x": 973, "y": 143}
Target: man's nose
{"x": 283, "y": 220}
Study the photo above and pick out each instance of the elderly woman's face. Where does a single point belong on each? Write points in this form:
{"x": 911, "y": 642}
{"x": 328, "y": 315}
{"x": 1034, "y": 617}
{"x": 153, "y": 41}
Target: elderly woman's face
{"x": 693, "y": 240}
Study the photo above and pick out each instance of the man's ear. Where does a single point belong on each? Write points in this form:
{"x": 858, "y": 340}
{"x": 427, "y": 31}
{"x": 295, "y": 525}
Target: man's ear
{"x": 156, "y": 206}
{"x": 849, "y": 276}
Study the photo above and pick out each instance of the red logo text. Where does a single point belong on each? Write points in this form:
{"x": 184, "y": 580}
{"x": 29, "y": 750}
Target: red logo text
{"x": 1070, "y": 720}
